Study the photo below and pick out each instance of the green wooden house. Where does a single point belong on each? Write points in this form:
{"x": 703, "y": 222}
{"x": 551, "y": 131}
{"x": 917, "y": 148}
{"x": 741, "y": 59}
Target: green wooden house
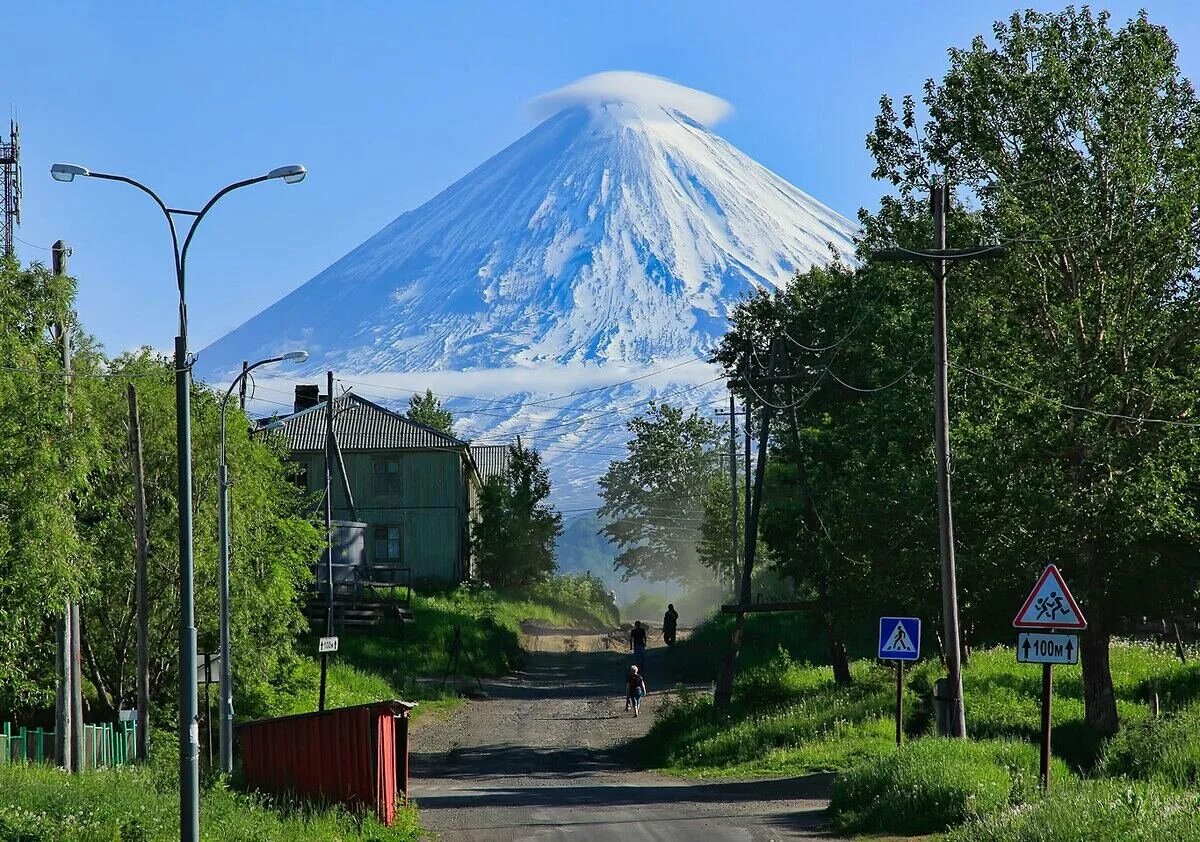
{"x": 413, "y": 487}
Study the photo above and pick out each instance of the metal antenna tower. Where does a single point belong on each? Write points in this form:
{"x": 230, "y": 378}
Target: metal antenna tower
{"x": 10, "y": 165}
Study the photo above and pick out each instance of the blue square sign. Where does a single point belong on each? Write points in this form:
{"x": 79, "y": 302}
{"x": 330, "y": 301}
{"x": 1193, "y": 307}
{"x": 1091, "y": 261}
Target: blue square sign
{"x": 899, "y": 638}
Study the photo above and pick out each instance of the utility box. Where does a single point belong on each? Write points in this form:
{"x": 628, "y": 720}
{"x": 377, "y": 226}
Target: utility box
{"x": 355, "y": 756}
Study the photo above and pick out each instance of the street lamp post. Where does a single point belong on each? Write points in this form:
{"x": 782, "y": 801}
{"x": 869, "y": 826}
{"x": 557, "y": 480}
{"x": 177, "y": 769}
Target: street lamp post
{"x": 189, "y": 727}
{"x": 225, "y": 694}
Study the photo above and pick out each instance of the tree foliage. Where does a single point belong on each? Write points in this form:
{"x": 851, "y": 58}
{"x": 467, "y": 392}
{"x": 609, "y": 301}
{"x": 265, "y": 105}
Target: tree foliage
{"x": 1074, "y": 368}
{"x": 41, "y": 462}
{"x": 514, "y": 540}
{"x": 272, "y": 544}
{"x": 654, "y": 498}
{"x": 427, "y": 409}
{"x": 66, "y": 516}
{"x": 1080, "y": 143}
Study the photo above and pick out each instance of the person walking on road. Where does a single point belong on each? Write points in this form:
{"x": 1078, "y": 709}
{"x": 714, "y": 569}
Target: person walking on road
{"x": 670, "y": 620}
{"x": 635, "y": 689}
{"x": 637, "y": 642}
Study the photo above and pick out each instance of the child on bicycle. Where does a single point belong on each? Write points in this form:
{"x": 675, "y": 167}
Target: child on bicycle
{"x": 635, "y": 689}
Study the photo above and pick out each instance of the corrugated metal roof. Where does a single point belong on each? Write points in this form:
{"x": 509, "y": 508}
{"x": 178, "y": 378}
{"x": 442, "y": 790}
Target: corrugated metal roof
{"x": 360, "y": 424}
{"x": 490, "y": 459}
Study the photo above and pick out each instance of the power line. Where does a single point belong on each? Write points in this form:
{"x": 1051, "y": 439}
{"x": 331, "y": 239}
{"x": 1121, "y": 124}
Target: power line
{"x": 1064, "y": 405}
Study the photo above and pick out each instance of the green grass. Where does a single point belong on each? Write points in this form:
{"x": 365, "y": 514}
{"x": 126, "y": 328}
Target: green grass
{"x": 43, "y": 803}
{"x": 388, "y": 662}
{"x": 935, "y": 784}
{"x": 787, "y": 718}
{"x": 1164, "y": 751}
{"x": 1095, "y": 811}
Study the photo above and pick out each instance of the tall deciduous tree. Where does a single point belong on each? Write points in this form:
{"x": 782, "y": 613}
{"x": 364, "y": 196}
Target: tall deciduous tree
{"x": 654, "y": 497}
{"x": 427, "y": 409}
{"x": 514, "y": 540}
{"x": 42, "y": 461}
{"x": 272, "y": 543}
{"x": 1081, "y": 143}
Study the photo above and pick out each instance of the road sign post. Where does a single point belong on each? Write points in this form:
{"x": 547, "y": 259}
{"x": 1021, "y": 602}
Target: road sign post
{"x": 1048, "y": 608}
{"x": 899, "y": 641}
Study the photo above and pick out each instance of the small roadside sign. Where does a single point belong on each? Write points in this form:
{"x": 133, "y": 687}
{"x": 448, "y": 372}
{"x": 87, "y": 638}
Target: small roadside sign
{"x": 899, "y": 638}
{"x": 1050, "y": 605}
{"x": 1033, "y": 648}
{"x": 327, "y": 644}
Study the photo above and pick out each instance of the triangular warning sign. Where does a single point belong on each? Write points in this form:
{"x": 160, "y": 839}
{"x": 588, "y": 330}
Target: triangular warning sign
{"x": 898, "y": 642}
{"x": 1050, "y": 605}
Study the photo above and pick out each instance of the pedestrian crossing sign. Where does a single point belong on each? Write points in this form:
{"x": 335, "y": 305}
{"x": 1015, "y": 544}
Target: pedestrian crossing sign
{"x": 899, "y": 638}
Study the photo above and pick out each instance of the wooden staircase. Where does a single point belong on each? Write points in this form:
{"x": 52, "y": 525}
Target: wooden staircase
{"x": 386, "y": 593}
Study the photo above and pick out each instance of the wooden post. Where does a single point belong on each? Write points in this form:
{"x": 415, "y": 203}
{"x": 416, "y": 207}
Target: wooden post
{"x": 328, "y": 531}
{"x": 1047, "y": 687}
{"x": 142, "y": 730}
{"x": 899, "y": 703}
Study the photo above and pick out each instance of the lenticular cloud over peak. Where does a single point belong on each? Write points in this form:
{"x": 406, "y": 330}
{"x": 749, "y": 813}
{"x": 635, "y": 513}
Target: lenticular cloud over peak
{"x": 641, "y": 89}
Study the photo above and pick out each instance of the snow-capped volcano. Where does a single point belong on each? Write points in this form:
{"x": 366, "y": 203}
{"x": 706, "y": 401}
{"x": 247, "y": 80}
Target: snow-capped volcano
{"x": 605, "y": 245}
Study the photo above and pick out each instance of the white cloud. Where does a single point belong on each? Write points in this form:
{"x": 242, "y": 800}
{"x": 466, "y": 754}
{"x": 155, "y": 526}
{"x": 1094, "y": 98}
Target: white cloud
{"x": 640, "y": 89}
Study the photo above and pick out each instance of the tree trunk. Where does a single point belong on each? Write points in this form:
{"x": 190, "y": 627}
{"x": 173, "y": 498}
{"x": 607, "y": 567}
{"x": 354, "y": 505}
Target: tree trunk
{"x": 837, "y": 657}
{"x": 1100, "y": 704}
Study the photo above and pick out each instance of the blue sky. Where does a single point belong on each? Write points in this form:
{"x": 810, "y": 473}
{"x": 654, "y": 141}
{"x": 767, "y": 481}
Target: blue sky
{"x": 387, "y": 103}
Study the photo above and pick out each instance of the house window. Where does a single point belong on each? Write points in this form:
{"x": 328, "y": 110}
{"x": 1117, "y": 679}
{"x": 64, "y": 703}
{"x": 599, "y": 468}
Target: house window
{"x": 387, "y": 476}
{"x": 387, "y": 543}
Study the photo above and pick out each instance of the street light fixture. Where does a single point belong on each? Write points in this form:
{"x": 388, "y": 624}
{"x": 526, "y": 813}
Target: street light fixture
{"x": 189, "y": 723}
{"x": 225, "y": 692}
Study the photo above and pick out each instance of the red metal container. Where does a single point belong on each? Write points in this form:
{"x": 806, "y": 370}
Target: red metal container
{"x": 357, "y": 756}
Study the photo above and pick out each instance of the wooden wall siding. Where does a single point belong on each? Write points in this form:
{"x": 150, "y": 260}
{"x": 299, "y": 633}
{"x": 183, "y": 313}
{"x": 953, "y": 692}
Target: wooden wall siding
{"x": 429, "y": 506}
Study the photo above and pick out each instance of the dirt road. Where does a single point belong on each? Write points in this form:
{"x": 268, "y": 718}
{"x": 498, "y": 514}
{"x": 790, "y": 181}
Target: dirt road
{"x": 542, "y": 759}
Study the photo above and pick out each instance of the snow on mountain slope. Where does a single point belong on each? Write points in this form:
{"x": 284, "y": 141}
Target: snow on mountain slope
{"x": 606, "y": 244}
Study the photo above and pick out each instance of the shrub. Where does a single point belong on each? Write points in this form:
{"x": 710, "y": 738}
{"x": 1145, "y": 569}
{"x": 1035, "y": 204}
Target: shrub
{"x": 1095, "y": 810}
{"x": 1165, "y": 751}
{"x": 935, "y": 784}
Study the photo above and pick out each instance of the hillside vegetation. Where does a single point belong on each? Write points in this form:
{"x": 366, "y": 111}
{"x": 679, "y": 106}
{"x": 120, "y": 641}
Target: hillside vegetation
{"x": 789, "y": 717}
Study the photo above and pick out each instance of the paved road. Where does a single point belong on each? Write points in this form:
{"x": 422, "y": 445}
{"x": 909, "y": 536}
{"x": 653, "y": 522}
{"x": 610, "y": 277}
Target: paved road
{"x": 544, "y": 759}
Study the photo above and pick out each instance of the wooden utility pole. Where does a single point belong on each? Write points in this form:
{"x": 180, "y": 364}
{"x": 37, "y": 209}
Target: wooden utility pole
{"x": 242, "y": 386}
{"x": 328, "y": 530}
{"x": 938, "y": 257}
{"x": 733, "y": 487}
{"x": 723, "y": 694}
{"x": 142, "y": 594}
{"x": 68, "y": 712}
{"x": 941, "y": 417}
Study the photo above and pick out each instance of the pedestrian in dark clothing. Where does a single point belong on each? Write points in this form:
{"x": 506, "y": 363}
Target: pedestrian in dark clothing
{"x": 635, "y": 689}
{"x": 637, "y": 641}
{"x": 670, "y": 619}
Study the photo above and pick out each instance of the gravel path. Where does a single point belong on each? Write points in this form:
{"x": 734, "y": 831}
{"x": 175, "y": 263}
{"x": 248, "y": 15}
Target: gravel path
{"x": 543, "y": 758}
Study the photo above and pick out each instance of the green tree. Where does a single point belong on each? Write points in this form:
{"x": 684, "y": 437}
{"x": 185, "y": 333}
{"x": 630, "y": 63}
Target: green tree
{"x": 42, "y": 461}
{"x": 654, "y": 497}
{"x": 514, "y": 540}
{"x": 848, "y": 472}
{"x": 1081, "y": 142}
{"x": 427, "y": 409}
{"x": 272, "y": 543}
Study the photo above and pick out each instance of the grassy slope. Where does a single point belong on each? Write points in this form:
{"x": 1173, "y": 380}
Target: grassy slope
{"x": 789, "y": 718}
{"x": 386, "y": 663}
{"x": 39, "y": 803}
